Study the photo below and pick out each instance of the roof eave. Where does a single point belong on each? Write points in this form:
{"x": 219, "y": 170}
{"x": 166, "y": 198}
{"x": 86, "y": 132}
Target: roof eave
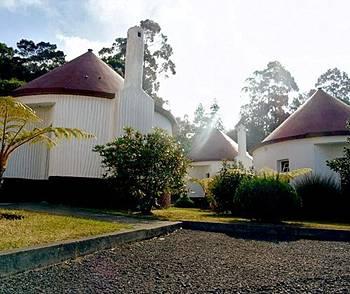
{"x": 303, "y": 136}
{"x": 62, "y": 91}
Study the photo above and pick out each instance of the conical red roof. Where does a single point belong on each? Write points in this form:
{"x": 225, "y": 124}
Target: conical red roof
{"x": 85, "y": 75}
{"x": 321, "y": 115}
{"x": 213, "y": 145}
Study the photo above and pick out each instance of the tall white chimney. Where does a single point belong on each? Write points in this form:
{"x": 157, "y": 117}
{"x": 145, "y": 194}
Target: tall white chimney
{"x": 134, "y": 58}
{"x": 135, "y": 107}
{"x": 242, "y": 140}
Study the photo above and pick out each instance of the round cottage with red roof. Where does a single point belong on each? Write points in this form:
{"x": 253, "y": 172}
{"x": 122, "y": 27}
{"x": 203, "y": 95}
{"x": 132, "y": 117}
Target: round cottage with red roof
{"x": 86, "y": 93}
{"x": 313, "y": 134}
{"x": 209, "y": 150}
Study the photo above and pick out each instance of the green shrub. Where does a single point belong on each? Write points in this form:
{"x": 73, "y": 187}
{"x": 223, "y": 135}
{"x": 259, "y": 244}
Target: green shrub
{"x": 144, "y": 167}
{"x": 320, "y": 195}
{"x": 184, "y": 202}
{"x": 266, "y": 199}
{"x": 342, "y": 167}
{"x": 223, "y": 186}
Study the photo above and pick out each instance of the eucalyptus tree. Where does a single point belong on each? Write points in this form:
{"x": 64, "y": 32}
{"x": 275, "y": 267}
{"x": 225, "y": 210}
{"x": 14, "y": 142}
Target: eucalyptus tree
{"x": 336, "y": 83}
{"x": 157, "y": 57}
{"x": 268, "y": 92}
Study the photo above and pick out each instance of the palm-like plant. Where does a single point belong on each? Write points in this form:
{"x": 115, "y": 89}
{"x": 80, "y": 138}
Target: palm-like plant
{"x": 15, "y": 131}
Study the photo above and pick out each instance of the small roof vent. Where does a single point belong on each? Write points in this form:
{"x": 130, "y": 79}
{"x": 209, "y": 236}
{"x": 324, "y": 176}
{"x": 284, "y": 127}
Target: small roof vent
{"x": 89, "y": 50}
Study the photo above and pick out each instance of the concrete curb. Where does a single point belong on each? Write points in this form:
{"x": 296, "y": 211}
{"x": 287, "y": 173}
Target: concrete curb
{"x": 269, "y": 231}
{"x": 20, "y": 260}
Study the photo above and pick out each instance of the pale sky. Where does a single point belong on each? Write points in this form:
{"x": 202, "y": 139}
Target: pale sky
{"x": 217, "y": 44}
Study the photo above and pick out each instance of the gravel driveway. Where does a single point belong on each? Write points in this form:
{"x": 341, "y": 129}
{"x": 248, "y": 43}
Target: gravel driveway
{"x": 197, "y": 262}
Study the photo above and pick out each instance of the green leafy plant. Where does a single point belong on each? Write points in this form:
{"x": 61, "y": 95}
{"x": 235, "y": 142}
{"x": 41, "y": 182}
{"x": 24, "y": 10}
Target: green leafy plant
{"x": 222, "y": 188}
{"x": 320, "y": 195}
{"x": 285, "y": 176}
{"x": 184, "y": 202}
{"x": 141, "y": 167}
{"x": 342, "y": 167}
{"x": 266, "y": 199}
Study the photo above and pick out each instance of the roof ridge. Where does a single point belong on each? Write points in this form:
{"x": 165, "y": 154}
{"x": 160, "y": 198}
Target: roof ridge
{"x": 308, "y": 120}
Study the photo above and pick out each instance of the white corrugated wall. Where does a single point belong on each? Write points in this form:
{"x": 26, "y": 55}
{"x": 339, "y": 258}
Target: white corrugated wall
{"x": 136, "y": 110}
{"x": 31, "y": 160}
{"x": 75, "y": 157}
{"x": 160, "y": 121}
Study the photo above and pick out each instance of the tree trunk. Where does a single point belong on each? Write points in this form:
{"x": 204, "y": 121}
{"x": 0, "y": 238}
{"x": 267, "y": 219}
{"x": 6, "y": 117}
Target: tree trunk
{"x": 2, "y": 171}
{"x": 165, "y": 200}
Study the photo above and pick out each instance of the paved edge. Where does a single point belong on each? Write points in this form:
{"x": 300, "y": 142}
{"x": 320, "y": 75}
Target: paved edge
{"x": 20, "y": 260}
{"x": 269, "y": 231}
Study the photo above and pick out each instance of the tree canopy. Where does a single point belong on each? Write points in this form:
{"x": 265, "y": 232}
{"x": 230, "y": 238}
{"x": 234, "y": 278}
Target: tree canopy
{"x": 38, "y": 58}
{"x": 336, "y": 83}
{"x": 25, "y": 63}
{"x": 144, "y": 167}
{"x": 187, "y": 129}
{"x": 268, "y": 91}
{"x": 157, "y": 57}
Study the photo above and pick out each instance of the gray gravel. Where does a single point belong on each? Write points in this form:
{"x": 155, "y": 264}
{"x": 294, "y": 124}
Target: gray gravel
{"x": 197, "y": 262}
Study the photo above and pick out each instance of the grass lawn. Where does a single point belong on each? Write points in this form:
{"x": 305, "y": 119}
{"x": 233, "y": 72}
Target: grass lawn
{"x": 40, "y": 228}
{"x": 320, "y": 225}
{"x": 204, "y": 215}
{"x": 193, "y": 214}
{"x": 196, "y": 214}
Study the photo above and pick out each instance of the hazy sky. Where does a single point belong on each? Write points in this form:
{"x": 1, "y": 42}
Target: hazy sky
{"x": 217, "y": 44}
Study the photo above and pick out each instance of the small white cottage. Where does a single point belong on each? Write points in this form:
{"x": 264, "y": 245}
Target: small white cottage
{"x": 210, "y": 148}
{"x": 313, "y": 134}
{"x": 86, "y": 93}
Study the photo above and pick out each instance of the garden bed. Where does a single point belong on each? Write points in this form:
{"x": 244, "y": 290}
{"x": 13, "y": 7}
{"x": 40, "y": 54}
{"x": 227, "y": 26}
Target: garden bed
{"x": 27, "y": 229}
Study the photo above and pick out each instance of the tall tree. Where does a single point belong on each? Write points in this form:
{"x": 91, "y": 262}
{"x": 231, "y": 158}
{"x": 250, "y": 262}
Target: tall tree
{"x": 11, "y": 70}
{"x": 300, "y": 99}
{"x": 39, "y": 58}
{"x": 187, "y": 129}
{"x": 10, "y": 64}
{"x": 336, "y": 83}
{"x": 157, "y": 57}
{"x": 268, "y": 91}
{"x": 185, "y": 132}
{"x": 25, "y": 63}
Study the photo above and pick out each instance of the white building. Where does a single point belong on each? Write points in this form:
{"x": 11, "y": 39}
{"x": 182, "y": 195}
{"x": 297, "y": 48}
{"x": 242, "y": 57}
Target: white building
{"x": 210, "y": 149}
{"x": 313, "y": 134}
{"x": 86, "y": 93}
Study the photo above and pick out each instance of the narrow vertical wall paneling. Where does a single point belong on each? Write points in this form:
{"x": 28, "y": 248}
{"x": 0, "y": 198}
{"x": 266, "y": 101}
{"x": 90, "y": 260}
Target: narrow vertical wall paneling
{"x": 74, "y": 157}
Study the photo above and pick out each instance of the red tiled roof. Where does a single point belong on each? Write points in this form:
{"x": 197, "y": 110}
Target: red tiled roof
{"x": 321, "y": 115}
{"x": 85, "y": 75}
{"x": 213, "y": 145}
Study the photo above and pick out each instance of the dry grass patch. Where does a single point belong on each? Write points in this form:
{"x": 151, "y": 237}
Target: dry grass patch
{"x": 204, "y": 215}
{"x": 193, "y": 214}
{"x": 40, "y": 228}
{"x": 321, "y": 225}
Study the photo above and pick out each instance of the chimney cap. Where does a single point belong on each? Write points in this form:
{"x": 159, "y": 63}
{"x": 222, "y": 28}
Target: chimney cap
{"x": 89, "y": 50}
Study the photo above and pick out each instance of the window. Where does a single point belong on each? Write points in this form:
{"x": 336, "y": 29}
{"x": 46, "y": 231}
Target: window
{"x": 283, "y": 165}
{"x": 139, "y": 34}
